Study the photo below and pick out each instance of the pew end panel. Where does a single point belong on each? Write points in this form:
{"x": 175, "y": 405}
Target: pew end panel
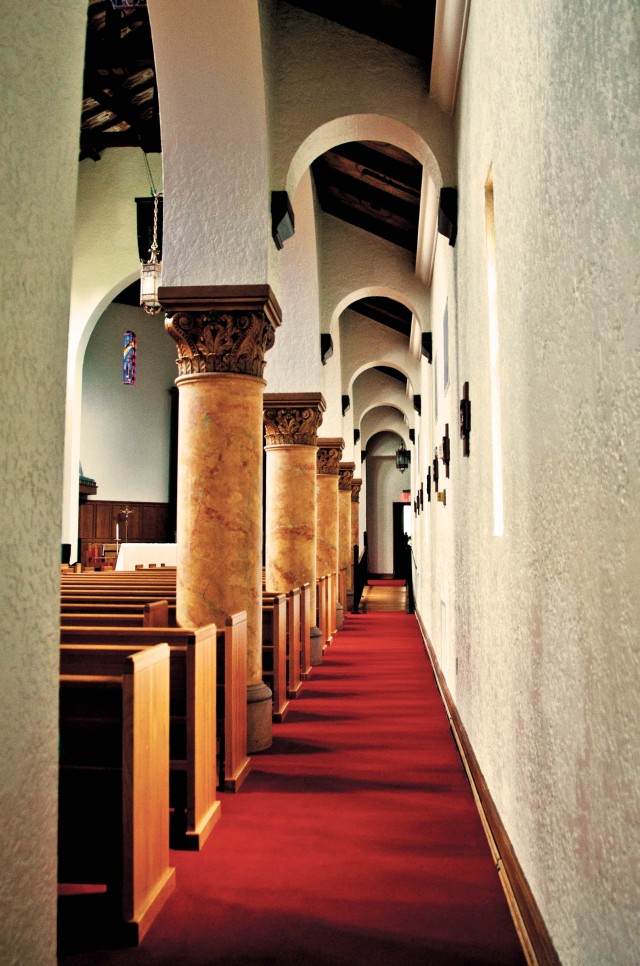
{"x": 235, "y": 764}
{"x": 114, "y": 781}
{"x": 274, "y": 652}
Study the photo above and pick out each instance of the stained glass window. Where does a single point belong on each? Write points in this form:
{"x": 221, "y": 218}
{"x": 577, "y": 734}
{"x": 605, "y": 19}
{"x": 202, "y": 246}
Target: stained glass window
{"x": 129, "y": 359}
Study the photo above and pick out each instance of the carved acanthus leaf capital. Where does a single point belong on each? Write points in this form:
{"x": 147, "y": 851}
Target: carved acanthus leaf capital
{"x": 329, "y": 453}
{"x": 346, "y": 471}
{"x": 221, "y": 341}
{"x": 356, "y": 486}
{"x": 221, "y": 328}
{"x": 292, "y": 419}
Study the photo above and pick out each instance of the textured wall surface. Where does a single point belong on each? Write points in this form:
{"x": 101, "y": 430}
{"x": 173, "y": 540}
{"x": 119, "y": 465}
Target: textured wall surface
{"x": 210, "y": 80}
{"x": 42, "y": 53}
{"x": 325, "y": 71}
{"x": 293, "y": 364}
{"x": 546, "y": 617}
{"x": 125, "y": 429}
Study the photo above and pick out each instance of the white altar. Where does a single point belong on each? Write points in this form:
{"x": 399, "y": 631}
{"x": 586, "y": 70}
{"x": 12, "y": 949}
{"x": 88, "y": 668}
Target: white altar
{"x": 131, "y": 554}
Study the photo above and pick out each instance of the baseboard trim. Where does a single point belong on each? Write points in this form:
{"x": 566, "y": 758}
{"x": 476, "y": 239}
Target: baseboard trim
{"x": 530, "y": 926}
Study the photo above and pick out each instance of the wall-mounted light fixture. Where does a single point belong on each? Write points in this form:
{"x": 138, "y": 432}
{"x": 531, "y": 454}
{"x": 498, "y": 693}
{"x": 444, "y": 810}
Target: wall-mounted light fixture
{"x": 435, "y": 469}
{"x": 429, "y": 484}
{"x": 446, "y": 449}
{"x": 465, "y": 419}
{"x": 403, "y": 457}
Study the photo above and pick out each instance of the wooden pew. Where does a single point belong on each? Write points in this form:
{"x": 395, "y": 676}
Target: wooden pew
{"x": 274, "y": 652}
{"x": 195, "y": 809}
{"x": 323, "y": 609}
{"x": 150, "y": 614}
{"x": 306, "y": 623}
{"x": 230, "y": 718}
{"x": 87, "y": 603}
{"x": 293, "y": 639}
{"x": 113, "y": 818}
{"x": 235, "y": 765}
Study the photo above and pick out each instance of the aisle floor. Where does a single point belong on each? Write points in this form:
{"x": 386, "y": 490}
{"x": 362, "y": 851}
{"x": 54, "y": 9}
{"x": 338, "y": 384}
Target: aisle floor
{"x": 355, "y": 840}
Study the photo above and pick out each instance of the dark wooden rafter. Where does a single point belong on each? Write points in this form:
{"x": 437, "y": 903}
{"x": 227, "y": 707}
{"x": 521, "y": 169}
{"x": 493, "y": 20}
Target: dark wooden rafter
{"x": 392, "y": 374}
{"x": 386, "y": 311}
{"x": 404, "y": 24}
{"x": 120, "y": 107}
{"x": 374, "y": 186}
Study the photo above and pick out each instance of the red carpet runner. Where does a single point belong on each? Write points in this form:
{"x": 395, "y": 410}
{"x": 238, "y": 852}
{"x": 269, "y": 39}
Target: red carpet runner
{"x": 354, "y": 841}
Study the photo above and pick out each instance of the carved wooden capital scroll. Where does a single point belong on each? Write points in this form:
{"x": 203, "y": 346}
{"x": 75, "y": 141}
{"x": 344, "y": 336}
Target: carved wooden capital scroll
{"x": 329, "y": 453}
{"x": 356, "y": 486}
{"x": 220, "y": 328}
{"x": 292, "y": 418}
{"x": 346, "y": 471}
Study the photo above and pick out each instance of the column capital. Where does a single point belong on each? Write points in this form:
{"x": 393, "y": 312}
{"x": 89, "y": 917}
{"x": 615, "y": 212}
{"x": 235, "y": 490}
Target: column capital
{"x": 329, "y": 453}
{"x": 345, "y": 471}
{"x": 292, "y": 418}
{"x": 221, "y": 328}
{"x": 356, "y": 486}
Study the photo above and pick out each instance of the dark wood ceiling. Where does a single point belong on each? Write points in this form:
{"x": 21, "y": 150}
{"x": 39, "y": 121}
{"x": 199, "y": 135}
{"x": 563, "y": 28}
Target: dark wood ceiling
{"x": 386, "y": 311}
{"x": 374, "y": 186}
{"x": 120, "y": 100}
{"x": 404, "y": 24}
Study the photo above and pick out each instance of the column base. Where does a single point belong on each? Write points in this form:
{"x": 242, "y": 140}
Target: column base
{"x": 350, "y": 601}
{"x": 339, "y": 616}
{"x": 259, "y": 717}
{"x": 316, "y": 646}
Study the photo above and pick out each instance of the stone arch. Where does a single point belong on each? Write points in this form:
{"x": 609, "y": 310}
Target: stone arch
{"x": 363, "y": 127}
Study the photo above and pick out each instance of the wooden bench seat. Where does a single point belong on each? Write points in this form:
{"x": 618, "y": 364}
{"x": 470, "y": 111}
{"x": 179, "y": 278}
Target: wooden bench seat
{"x": 274, "y": 652}
{"x": 155, "y": 613}
{"x": 293, "y": 649}
{"x": 113, "y": 817}
{"x": 230, "y": 708}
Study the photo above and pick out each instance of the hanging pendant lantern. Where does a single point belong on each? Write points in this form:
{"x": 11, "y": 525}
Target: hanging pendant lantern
{"x": 403, "y": 457}
{"x": 151, "y": 270}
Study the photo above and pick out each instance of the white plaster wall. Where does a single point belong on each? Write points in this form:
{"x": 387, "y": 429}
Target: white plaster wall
{"x": 549, "y": 613}
{"x": 365, "y": 342}
{"x": 385, "y": 484}
{"x": 293, "y": 364}
{"x": 383, "y": 418}
{"x": 42, "y": 54}
{"x": 214, "y": 142}
{"x": 126, "y": 429}
{"x": 325, "y": 71}
{"x": 372, "y": 389}
{"x": 355, "y": 263}
{"x": 105, "y": 260}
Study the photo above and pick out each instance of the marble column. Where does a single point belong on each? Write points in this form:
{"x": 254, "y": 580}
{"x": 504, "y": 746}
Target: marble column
{"x": 291, "y": 422}
{"x": 345, "y": 550}
{"x": 328, "y": 459}
{"x": 356, "y": 485}
{"x": 222, "y": 334}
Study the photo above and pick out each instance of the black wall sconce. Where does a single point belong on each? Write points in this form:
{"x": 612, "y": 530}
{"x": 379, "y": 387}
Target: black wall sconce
{"x": 429, "y": 484}
{"x": 448, "y": 214}
{"x": 282, "y": 220}
{"x": 403, "y": 456}
{"x": 421, "y": 497}
{"x": 427, "y": 346}
{"x": 465, "y": 419}
{"x": 435, "y": 469}
{"x": 326, "y": 347}
{"x": 446, "y": 449}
